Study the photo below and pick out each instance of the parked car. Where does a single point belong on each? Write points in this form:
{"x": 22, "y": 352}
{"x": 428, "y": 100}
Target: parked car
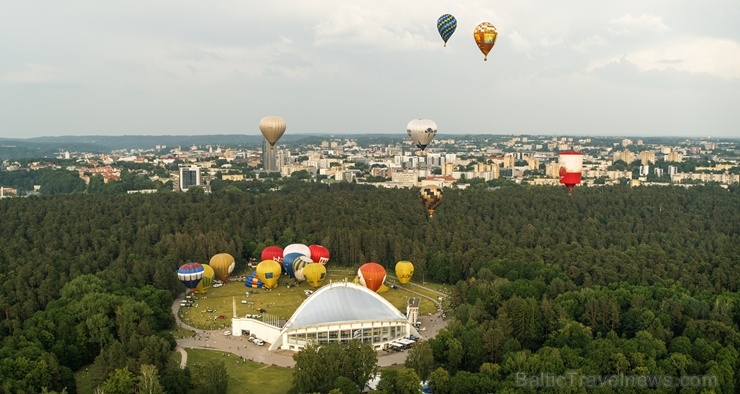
{"x": 227, "y": 333}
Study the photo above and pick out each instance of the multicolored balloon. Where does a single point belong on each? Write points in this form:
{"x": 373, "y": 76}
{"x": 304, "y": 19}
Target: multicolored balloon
{"x": 431, "y": 196}
{"x": 273, "y": 252}
{"x": 207, "y": 280}
{"x": 272, "y": 128}
{"x": 223, "y": 265}
{"x": 571, "y": 167}
{"x": 446, "y": 25}
{"x": 253, "y": 281}
{"x": 421, "y": 131}
{"x": 485, "y": 37}
{"x": 315, "y": 274}
{"x": 290, "y": 259}
{"x": 404, "y": 271}
{"x": 371, "y": 275}
{"x": 269, "y": 272}
{"x": 190, "y": 275}
{"x": 319, "y": 254}
{"x": 298, "y": 265}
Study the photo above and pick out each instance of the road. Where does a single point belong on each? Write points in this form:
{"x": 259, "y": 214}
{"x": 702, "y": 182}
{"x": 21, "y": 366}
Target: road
{"x": 240, "y": 346}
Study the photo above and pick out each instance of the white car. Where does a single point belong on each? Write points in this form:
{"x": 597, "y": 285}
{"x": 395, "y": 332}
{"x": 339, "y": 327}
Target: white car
{"x": 227, "y": 333}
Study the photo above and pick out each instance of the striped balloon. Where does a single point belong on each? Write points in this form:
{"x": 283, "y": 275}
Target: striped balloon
{"x": 446, "y": 25}
{"x": 190, "y": 275}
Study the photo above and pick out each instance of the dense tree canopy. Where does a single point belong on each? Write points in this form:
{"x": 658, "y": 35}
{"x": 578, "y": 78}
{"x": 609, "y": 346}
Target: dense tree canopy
{"x": 607, "y": 280}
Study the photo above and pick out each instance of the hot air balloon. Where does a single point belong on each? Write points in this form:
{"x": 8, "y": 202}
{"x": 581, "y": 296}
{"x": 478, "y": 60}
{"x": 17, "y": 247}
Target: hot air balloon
{"x": 404, "y": 271}
{"x": 298, "y": 265}
{"x": 485, "y": 36}
{"x": 288, "y": 261}
{"x": 371, "y": 275}
{"x": 431, "y": 196}
{"x": 272, "y": 127}
{"x": 223, "y": 265}
{"x": 207, "y": 280}
{"x": 253, "y": 281}
{"x": 269, "y": 272}
{"x": 190, "y": 275}
{"x": 273, "y": 253}
{"x": 421, "y": 131}
{"x": 299, "y": 248}
{"x": 319, "y": 254}
{"x": 314, "y": 274}
{"x": 571, "y": 165}
{"x": 446, "y": 25}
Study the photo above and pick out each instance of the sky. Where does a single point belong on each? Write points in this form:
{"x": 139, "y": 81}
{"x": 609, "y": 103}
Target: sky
{"x": 183, "y": 67}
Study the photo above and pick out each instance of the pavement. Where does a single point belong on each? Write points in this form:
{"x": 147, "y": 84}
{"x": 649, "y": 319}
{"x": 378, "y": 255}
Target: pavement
{"x": 240, "y": 345}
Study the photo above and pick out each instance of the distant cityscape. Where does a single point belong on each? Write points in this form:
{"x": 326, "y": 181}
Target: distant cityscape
{"x": 459, "y": 161}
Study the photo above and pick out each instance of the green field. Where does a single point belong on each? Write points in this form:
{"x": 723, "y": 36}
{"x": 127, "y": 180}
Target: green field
{"x": 282, "y": 301}
{"x": 245, "y": 376}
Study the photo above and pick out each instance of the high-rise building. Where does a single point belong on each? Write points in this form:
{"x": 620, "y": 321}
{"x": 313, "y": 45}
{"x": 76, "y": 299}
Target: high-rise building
{"x": 189, "y": 177}
{"x": 646, "y": 157}
{"x": 674, "y": 157}
{"x": 269, "y": 157}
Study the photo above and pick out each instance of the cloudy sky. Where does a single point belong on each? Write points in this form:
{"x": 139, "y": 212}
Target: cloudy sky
{"x": 175, "y": 67}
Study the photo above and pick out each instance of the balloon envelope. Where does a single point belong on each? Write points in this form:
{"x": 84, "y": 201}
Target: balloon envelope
{"x": 404, "y": 271}
{"x": 446, "y": 25}
{"x": 273, "y": 253}
{"x": 431, "y": 196}
{"x": 485, "y": 37}
{"x": 319, "y": 253}
{"x": 371, "y": 275}
{"x": 298, "y": 264}
{"x": 421, "y": 131}
{"x": 253, "y": 281}
{"x": 315, "y": 274}
{"x": 223, "y": 265}
{"x": 207, "y": 280}
{"x": 190, "y": 275}
{"x": 297, "y": 248}
{"x": 272, "y": 128}
{"x": 269, "y": 272}
{"x": 571, "y": 167}
{"x": 288, "y": 260}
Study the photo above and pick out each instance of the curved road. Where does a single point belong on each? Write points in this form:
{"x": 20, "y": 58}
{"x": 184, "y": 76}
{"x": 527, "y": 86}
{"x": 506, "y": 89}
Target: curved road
{"x": 240, "y": 346}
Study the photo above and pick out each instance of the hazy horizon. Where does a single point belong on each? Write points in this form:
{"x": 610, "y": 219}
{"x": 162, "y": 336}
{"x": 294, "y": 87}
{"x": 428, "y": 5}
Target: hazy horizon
{"x": 580, "y": 68}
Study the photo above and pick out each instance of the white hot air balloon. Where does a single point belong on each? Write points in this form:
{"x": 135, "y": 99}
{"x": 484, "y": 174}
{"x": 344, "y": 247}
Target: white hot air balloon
{"x": 272, "y": 127}
{"x": 421, "y": 131}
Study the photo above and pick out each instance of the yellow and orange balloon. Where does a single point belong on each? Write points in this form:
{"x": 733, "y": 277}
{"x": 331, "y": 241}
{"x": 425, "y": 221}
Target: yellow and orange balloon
{"x": 485, "y": 37}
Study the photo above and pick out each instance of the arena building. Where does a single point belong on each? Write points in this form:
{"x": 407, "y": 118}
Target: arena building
{"x": 335, "y": 313}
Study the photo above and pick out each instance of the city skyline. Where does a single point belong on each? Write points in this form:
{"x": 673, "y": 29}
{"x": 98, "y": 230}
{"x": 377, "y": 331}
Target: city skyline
{"x": 168, "y": 68}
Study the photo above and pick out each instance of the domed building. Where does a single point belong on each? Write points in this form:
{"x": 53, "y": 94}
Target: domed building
{"x": 337, "y": 313}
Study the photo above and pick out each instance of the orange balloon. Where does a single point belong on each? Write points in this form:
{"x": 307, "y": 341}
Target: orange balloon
{"x": 371, "y": 275}
{"x": 485, "y": 36}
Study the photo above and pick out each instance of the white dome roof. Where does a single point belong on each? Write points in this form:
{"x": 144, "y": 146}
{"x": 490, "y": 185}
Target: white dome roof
{"x": 343, "y": 302}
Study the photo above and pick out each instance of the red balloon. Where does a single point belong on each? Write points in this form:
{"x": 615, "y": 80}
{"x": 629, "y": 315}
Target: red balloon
{"x": 319, "y": 254}
{"x": 272, "y": 253}
{"x": 372, "y": 275}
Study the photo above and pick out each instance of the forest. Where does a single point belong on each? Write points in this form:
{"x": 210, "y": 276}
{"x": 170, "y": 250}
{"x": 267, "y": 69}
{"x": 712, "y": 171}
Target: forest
{"x": 608, "y": 281}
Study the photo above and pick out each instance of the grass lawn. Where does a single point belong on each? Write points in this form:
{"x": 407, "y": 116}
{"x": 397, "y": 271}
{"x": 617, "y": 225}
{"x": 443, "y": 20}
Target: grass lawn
{"x": 280, "y": 302}
{"x": 245, "y": 376}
